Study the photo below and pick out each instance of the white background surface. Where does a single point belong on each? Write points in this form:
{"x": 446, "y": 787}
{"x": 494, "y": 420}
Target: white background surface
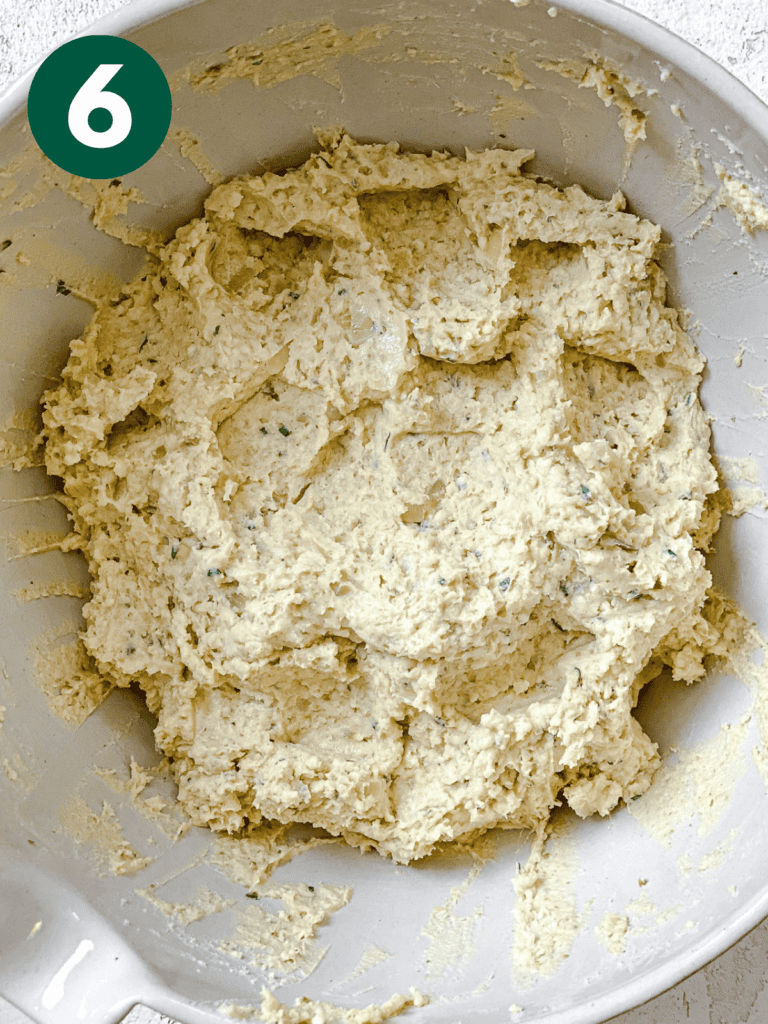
{"x": 732, "y": 989}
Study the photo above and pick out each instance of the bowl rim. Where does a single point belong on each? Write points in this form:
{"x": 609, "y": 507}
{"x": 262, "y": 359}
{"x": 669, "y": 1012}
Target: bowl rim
{"x": 609, "y": 14}
{"x": 680, "y": 53}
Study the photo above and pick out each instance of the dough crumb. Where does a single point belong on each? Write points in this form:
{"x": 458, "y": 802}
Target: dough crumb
{"x": 743, "y": 201}
{"x": 741, "y": 490}
{"x": 70, "y": 679}
{"x": 612, "y": 87}
{"x": 20, "y": 445}
{"x": 612, "y": 932}
{"x": 60, "y": 588}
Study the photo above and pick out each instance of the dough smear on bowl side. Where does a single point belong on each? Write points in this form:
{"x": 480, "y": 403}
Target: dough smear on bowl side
{"x": 393, "y": 483}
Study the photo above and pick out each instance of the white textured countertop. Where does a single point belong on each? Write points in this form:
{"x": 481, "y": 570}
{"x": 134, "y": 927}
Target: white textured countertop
{"x": 732, "y": 989}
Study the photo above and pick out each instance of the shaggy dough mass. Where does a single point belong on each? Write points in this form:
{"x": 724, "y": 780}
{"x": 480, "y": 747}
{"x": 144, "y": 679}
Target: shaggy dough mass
{"x": 392, "y": 477}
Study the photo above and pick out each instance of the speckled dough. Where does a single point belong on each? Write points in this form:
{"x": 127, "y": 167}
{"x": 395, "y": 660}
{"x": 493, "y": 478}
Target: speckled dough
{"x": 392, "y": 479}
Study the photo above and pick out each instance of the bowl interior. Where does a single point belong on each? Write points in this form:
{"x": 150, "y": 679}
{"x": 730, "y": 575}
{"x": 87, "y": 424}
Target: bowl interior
{"x": 428, "y": 77}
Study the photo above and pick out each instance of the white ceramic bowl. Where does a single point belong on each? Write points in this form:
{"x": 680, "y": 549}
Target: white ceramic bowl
{"x": 429, "y": 82}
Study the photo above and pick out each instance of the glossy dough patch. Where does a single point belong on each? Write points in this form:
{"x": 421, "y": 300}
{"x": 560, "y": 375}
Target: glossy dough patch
{"x": 392, "y": 478}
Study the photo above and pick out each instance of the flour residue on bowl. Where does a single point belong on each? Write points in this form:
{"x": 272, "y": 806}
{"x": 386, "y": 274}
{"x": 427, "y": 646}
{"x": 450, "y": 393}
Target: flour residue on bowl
{"x": 274, "y": 924}
{"x": 134, "y": 785}
{"x": 506, "y": 110}
{"x": 758, "y": 394}
{"x": 310, "y": 1011}
{"x": 103, "y": 835}
{"x": 15, "y": 767}
{"x": 56, "y": 588}
{"x": 701, "y": 779}
{"x": 644, "y": 915}
{"x": 68, "y": 676}
{"x": 612, "y": 87}
{"x": 191, "y": 148}
{"x": 687, "y": 171}
{"x": 248, "y": 859}
{"x": 10, "y": 770}
{"x": 284, "y": 941}
{"x": 742, "y": 491}
{"x": 167, "y": 816}
{"x": 20, "y": 446}
{"x": 716, "y": 857}
{"x": 315, "y": 48}
{"x": 739, "y": 648}
{"x": 203, "y": 905}
{"x": 372, "y": 957}
{"x": 547, "y": 919}
{"x": 689, "y": 784}
{"x": 508, "y": 70}
{"x": 497, "y": 54}
{"x": 451, "y": 935}
{"x": 38, "y": 542}
{"x": 747, "y": 658}
{"x": 612, "y": 932}
{"x": 106, "y": 201}
{"x": 302, "y": 48}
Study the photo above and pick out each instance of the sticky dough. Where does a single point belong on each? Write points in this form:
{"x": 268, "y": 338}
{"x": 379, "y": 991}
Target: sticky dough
{"x": 392, "y": 478}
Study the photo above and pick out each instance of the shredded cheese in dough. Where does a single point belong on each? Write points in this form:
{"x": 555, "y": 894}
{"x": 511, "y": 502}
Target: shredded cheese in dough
{"x": 394, "y": 485}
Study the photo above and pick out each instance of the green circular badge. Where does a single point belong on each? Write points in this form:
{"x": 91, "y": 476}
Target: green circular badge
{"x": 99, "y": 106}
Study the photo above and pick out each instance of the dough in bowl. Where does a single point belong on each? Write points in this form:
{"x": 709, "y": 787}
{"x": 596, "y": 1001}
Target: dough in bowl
{"x": 392, "y": 479}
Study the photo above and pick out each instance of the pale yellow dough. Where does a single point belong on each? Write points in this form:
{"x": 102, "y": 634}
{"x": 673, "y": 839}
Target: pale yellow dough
{"x": 392, "y": 478}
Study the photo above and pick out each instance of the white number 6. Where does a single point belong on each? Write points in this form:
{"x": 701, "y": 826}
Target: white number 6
{"x": 91, "y": 96}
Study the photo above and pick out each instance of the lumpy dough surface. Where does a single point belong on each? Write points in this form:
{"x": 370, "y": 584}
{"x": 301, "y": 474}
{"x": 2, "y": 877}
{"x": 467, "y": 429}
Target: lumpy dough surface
{"x": 392, "y": 478}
